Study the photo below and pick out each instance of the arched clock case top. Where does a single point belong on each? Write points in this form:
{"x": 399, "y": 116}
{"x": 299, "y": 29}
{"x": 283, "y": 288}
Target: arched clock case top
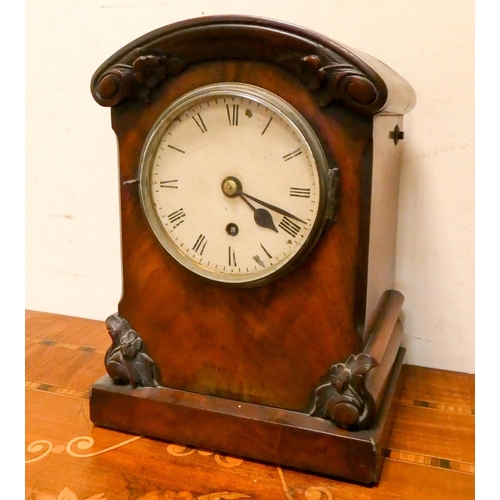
{"x": 312, "y": 357}
{"x": 330, "y": 70}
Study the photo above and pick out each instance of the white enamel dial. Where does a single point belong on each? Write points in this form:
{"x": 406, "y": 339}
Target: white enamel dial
{"x": 232, "y": 182}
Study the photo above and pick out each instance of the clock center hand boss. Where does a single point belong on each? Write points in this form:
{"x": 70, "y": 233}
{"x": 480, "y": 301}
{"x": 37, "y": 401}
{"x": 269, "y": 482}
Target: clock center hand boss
{"x": 232, "y": 187}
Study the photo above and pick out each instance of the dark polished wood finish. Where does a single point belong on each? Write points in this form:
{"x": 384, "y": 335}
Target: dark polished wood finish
{"x": 274, "y": 345}
{"x": 265, "y": 345}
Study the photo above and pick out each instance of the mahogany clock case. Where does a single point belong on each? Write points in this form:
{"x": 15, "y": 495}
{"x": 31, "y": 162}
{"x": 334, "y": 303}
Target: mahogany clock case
{"x": 262, "y": 359}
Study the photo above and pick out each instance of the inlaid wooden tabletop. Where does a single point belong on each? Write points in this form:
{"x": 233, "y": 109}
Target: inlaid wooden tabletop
{"x": 430, "y": 455}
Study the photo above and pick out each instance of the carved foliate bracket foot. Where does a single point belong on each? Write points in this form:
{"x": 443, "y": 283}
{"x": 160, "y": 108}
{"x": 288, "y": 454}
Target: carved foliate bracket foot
{"x": 345, "y": 400}
{"x": 126, "y": 361}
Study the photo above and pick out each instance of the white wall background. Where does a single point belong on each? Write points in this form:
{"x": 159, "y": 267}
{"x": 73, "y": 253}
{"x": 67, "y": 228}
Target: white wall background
{"x": 72, "y": 254}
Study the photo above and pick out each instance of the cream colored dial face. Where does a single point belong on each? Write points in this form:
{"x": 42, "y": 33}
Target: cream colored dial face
{"x": 231, "y": 183}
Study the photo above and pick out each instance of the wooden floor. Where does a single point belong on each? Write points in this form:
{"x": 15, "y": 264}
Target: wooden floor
{"x": 430, "y": 453}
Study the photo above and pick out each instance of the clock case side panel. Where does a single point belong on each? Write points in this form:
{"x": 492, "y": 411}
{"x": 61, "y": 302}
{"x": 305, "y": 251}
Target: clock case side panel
{"x": 378, "y": 304}
{"x": 383, "y": 217}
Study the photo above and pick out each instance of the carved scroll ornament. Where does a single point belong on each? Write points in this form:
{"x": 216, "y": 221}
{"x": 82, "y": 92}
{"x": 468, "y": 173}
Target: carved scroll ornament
{"x": 345, "y": 400}
{"x": 136, "y": 80}
{"x": 126, "y": 360}
{"x": 328, "y": 78}
{"x": 332, "y": 79}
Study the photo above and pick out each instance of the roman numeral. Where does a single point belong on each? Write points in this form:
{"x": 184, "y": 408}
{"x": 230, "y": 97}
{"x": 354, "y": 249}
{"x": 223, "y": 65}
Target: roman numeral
{"x": 200, "y": 244}
{"x": 289, "y": 226}
{"x": 293, "y": 154}
{"x": 267, "y": 125}
{"x": 176, "y": 218}
{"x": 177, "y": 149}
{"x": 266, "y": 252}
{"x": 231, "y": 256}
{"x": 200, "y": 123}
{"x": 233, "y": 116}
{"x": 169, "y": 184}
{"x": 300, "y": 192}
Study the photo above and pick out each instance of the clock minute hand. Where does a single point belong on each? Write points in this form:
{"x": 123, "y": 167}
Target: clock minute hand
{"x": 278, "y": 210}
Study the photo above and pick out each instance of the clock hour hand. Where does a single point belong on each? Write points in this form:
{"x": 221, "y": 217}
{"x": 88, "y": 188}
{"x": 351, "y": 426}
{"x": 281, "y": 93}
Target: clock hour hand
{"x": 261, "y": 216}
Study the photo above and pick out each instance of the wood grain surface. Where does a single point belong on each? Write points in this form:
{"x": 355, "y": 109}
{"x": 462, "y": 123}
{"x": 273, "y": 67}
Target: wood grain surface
{"x": 430, "y": 454}
{"x": 208, "y": 339}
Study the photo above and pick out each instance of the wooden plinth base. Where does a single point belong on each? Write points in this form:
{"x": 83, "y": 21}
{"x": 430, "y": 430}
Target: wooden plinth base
{"x": 257, "y": 432}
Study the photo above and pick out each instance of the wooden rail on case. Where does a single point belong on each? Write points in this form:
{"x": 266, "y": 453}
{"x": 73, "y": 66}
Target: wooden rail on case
{"x": 383, "y": 344}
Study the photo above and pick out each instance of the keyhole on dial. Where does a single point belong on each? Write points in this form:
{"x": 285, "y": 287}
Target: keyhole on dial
{"x": 232, "y": 229}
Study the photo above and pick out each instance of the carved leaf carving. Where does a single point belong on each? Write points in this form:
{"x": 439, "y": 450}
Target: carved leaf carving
{"x": 126, "y": 361}
{"x": 345, "y": 400}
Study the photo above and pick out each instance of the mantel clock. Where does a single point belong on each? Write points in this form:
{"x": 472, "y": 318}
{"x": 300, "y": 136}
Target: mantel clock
{"x": 258, "y": 168}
